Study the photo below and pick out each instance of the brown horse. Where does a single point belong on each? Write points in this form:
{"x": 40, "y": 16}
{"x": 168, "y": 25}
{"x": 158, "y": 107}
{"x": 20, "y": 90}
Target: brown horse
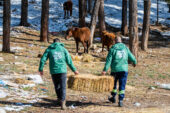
{"x": 67, "y": 6}
{"x": 80, "y": 35}
{"x": 108, "y": 39}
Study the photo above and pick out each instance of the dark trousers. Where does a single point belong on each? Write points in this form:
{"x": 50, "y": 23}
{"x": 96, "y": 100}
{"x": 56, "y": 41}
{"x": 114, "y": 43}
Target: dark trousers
{"x": 59, "y": 81}
{"x": 122, "y": 78}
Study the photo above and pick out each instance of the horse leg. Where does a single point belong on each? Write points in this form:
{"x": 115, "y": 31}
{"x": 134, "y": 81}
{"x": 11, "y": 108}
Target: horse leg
{"x": 102, "y": 47}
{"x": 87, "y": 46}
{"x": 77, "y": 46}
{"x": 64, "y": 14}
{"x": 84, "y": 45}
{"x": 108, "y": 47}
{"x": 67, "y": 14}
{"x": 70, "y": 12}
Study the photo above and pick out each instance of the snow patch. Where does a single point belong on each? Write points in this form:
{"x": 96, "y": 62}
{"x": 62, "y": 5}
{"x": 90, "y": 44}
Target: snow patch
{"x": 3, "y": 94}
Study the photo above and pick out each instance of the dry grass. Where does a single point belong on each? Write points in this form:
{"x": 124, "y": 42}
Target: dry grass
{"x": 153, "y": 66}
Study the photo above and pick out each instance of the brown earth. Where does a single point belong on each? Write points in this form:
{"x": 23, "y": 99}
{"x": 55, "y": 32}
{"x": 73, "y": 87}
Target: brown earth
{"x": 153, "y": 67}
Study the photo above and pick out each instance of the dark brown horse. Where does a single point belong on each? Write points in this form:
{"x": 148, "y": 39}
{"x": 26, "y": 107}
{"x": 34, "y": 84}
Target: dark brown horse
{"x": 67, "y": 6}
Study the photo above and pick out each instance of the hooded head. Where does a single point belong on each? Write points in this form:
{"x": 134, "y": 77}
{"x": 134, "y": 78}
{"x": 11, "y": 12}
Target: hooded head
{"x": 56, "y": 40}
{"x": 118, "y": 39}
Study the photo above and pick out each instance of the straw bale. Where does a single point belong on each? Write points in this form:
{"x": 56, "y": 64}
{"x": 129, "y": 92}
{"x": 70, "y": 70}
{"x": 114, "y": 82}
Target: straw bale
{"x": 89, "y": 82}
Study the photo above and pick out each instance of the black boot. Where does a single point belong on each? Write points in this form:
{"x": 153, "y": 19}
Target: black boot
{"x": 112, "y": 99}
{"x": 120, "y": 103}
{"x": 58, "y": 102}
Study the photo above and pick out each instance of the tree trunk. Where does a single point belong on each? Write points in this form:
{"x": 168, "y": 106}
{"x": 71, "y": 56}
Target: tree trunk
{"x": 90, "y": 6}
{"x": 133, "y": 27}
{"x": 146, "y": 25}
{"x": 24, "y": 13}
{"x": 6, "y": 25}
{"x": 44, "y": 21}
{"x": 82, "y": 13}
{"x": 85, "y": 5}
{"x": 124, "y": 27}
{"x": 101, "y": 17}
{"x": 94, "y": 19}
{"x": 157, "y": 22}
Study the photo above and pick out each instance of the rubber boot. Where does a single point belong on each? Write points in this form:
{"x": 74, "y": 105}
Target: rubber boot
{"x": 120, "y": 103}
{"x": 112, "y": 99}
{"x": 58, "y": 102}
{"x": 63, "y": 105}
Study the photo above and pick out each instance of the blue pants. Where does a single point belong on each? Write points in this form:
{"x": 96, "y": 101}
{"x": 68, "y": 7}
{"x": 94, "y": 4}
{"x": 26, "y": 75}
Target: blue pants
{"x": 122, "y": 77}
{"x": 59, "y": 81}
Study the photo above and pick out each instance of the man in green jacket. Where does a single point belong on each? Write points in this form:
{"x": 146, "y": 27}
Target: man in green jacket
{"x": 59, "y": 58}
{"x": 117, "y": 58}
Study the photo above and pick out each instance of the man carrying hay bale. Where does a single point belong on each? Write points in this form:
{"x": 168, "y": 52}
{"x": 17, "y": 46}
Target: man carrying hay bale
{"x": 117, "y": 58}
{"x": 58, "y": 58}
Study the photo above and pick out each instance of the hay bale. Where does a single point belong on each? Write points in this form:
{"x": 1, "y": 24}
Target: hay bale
{"x": 89, "y": 82}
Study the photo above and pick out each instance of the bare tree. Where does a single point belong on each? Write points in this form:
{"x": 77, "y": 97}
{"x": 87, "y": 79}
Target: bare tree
{"x": 157, "y": 22}
{"x": 101, "y": 17}
{"x": 146, "y": 24}
{"x": 82, "y": 13}
{"x": 90, "y": 2}
{"x": 6, "y": 25}
{"x": 124, "y": 27}
{"x": 44, "y": 21}
{"x": 133, "y": 27}
{"x": 24, "y": 13}
{"x": 94, "y": 19}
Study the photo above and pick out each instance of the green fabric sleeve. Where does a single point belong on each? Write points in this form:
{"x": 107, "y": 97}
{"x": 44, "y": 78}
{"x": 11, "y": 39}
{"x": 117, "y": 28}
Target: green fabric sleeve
{"x": 69, "y": 61}
{"x": 43, "y": 60}
{"x": 131, "y": 57}
{"x": 108, "y": 61}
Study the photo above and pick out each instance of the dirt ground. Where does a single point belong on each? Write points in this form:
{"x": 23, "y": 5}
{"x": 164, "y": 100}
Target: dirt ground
{"x": 142, "y": 93}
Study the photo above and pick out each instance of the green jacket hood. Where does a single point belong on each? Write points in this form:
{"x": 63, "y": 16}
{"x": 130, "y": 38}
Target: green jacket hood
{"x": 54, "y": 45}
{"x": 119, "y": 46}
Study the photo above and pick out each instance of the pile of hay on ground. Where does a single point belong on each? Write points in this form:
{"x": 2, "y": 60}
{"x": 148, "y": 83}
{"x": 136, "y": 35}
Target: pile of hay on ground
{"x": 89, "y": 82}
{"x": 87, "y": 58}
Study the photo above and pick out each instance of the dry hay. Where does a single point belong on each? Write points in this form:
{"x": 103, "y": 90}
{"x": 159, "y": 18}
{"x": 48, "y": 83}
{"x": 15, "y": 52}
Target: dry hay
{"x": 22, "y": 81}
{"x": 76, "y": 57}
{"x": 87, "y": 58}
{"x": 89, "y": 82}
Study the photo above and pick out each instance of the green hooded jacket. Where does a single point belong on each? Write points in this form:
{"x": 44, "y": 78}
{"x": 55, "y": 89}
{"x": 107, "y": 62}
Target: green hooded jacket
{"x": 58, "y": 58}
{"x": 118, "y": 57}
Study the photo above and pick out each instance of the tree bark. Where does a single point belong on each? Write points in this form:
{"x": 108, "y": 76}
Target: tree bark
{"x": 90, "y": 6}
{"x": 157, "y": 22}
{"x": 82, "y": 13}
{"x": 94, "y": 19}
{"x": 146, "y": 25}
{"x": 133, "y": 27}
{"x": 101, "y": 17}
{"x": 124, "y": 27}
{"x": 44, "y": 21}
{"x": 24, "y": 13}
{"x": 6, "y": 25}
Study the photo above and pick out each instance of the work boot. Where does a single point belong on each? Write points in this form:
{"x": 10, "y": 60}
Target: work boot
{"x": 58, "y": 102}
{"x": 112, "y": 99}
{"x": 63, "y": 105}
{"x": 120, "y": 103}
